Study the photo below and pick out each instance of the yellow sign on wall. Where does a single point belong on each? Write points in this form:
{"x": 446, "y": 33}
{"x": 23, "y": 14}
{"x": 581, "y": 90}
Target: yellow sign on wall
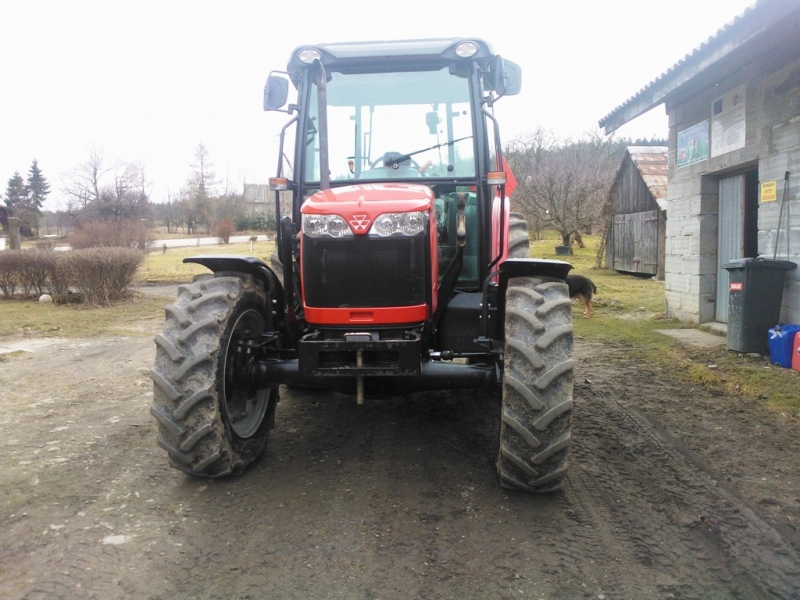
{"x": 769, "y": 191}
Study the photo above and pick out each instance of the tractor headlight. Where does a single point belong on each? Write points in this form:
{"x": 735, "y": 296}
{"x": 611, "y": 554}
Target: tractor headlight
{"x": 325, "y": 226}
{"x": 408, "y": 223}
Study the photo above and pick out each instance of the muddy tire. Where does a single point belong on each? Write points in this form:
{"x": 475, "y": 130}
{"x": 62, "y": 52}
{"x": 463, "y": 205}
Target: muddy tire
{"x": 206, "y": 427}
{"x": 519, "y": 245}
{"x": 537, "y": 385}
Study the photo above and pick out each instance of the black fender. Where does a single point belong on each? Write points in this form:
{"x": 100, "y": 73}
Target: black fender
{"x": 532, "y": 267}
{"x": 524, "y": 267}
{"x": 260, "y": 271}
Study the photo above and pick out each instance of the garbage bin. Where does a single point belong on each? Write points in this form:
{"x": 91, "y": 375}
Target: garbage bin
{"x": 754, "y": 301}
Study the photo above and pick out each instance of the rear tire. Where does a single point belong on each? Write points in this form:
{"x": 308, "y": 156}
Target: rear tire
{"x": 207, "y": 427}
{"x": 276, "y": 265}
{"x": 537, "y": 385}
{"x": 519, "y": 245}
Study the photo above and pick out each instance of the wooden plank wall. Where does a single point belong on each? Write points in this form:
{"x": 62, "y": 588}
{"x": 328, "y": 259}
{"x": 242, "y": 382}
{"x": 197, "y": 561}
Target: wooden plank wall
{"x": 634, "y": 235}
{"x": 636, "y": 242}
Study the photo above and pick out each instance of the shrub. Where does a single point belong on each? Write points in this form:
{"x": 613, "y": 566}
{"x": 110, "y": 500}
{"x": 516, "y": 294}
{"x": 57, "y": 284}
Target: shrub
{"x": 9, "y": 271}
{"x": 34, "y": 270}
{"x": 242, "y": 223}
{"x": 57, "y": 266}
{"x": 223, "y": 230}
{"x": 102, "y": 275}
{"x": 110, "y": 233}
{"x": 46, "y": 244}
{"x": 256, "y": 223}
{"x": 99, "y": 275}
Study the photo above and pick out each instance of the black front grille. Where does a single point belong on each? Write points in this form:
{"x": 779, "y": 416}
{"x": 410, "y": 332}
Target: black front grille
{"x": 365, "y": 272}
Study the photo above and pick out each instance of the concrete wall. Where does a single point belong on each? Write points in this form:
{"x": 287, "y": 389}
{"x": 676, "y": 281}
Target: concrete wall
{"x": 772, "y": 144}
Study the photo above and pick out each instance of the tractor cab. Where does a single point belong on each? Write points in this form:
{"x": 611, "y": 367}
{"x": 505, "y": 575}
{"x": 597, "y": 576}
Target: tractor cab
{"x": 416, "y": 112}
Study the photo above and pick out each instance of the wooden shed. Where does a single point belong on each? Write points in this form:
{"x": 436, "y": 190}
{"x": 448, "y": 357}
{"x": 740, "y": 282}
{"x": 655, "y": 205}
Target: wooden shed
{"x": 635, "y": 242}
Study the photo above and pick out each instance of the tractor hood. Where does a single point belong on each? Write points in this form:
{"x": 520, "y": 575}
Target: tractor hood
{"x": 361, "y": 204}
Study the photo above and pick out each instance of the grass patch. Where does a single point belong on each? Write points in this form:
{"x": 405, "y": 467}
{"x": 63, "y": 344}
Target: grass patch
{"x": 168, "y": 267}
{"x": 627, "y": 311}
{"x": 626, "y": 307}
{"x": 31, "y": 318}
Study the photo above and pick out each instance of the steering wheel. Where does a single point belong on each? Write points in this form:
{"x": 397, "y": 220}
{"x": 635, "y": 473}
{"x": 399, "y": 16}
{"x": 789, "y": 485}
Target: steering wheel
{"x": 388, "y": 157}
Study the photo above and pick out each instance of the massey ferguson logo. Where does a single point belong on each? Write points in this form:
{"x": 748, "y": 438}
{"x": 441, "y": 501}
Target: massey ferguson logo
{"x": 359, "y": 222}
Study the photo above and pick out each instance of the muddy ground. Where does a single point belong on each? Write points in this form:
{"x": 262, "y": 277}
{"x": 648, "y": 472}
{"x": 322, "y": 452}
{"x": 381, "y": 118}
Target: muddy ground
{"x": 673, "y": 493}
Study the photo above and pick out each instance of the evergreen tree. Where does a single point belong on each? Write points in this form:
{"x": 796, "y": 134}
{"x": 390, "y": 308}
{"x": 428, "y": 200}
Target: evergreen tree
{"x": 15, "y": 198}
{"x": 38, "y": 188}
{"x": 19, "y": 204}
{"x": 16, "y": 194}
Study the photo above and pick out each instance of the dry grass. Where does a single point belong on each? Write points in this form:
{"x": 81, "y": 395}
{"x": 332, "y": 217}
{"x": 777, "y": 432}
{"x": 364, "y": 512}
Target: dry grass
{"x": 168, "y": 267}
{"x": 31, "y": 318}
{"x": 628, "y": 310}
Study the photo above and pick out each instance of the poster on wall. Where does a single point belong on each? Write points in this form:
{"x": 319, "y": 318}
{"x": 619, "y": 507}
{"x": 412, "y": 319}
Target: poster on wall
{"x": 692, "y": 144}
{"x": 728, "y": 122}
{"x": 769, "y": 191}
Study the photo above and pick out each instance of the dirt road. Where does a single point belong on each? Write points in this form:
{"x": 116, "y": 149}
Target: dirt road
{"x": 672, "y": 493}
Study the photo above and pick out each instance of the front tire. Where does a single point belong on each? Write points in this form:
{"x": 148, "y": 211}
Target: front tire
{"x": 207, "y": 424}
{"x": 537, "y": 385}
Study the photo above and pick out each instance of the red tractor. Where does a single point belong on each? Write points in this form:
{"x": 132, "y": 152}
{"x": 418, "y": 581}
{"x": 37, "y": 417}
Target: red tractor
{"x": 400, "y": 268}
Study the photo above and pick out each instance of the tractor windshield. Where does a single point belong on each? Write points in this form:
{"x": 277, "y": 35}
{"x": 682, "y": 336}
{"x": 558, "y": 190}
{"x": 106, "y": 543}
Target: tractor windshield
{"x": 399, "y": 125}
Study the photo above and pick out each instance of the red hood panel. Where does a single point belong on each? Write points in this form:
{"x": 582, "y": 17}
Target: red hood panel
{"x": 369, "y": 200}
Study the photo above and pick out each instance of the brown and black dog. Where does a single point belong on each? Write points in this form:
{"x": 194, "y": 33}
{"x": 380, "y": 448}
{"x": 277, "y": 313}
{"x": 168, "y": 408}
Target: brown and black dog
{"x": 583, "y": 288}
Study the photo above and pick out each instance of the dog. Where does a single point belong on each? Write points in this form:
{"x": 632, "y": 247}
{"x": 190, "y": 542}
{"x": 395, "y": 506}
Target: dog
{"x": 583, "y": 288}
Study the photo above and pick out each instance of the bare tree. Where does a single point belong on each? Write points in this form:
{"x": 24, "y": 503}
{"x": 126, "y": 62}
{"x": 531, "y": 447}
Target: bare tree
{"x": 101, "y": 189}
{"x": 108, "y": 202}
{"x": 563, "y": 186}
{"x": 201, "y": 186}
{"x": 131, "y": 193}
{"x": 525, "y": 155}
{"x": 167, "y": 212}
{"x": 84, "y": 183}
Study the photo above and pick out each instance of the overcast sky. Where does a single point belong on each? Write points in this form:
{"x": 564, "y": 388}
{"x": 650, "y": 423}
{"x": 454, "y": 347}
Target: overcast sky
{"x": 148, "y": 80}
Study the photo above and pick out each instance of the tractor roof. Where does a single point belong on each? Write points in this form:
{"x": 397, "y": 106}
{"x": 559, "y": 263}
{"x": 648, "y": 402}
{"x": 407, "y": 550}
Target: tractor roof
{"x": 388, "y": 55}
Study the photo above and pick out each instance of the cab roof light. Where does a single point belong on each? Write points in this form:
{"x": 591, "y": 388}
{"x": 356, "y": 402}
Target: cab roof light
{"x": 466, "y": 49}
{"x": 309, "y": 55}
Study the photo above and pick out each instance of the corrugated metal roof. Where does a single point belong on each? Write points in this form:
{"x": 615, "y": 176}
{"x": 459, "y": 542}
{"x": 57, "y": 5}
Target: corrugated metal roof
{"x": 752, "y": 21}
{"x": 651, "y": 162}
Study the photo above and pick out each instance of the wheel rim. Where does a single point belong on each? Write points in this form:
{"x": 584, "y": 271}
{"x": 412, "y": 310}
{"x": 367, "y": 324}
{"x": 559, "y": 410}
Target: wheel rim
{"x": 245, "y": 408}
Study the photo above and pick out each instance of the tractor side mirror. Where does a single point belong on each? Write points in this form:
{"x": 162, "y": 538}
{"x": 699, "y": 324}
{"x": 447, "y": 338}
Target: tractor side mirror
{"x": 432, "y": 120}
{"x": 276, "y": 92}
{"x": 506, "y": 77}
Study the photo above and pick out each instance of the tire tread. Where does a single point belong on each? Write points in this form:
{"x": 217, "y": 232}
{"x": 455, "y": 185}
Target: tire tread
{"x": 537, "y": 385}
{"x": 185, "y": 405}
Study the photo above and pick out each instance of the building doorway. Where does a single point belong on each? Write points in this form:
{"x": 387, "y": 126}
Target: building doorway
{"x": 737, "y": 229}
